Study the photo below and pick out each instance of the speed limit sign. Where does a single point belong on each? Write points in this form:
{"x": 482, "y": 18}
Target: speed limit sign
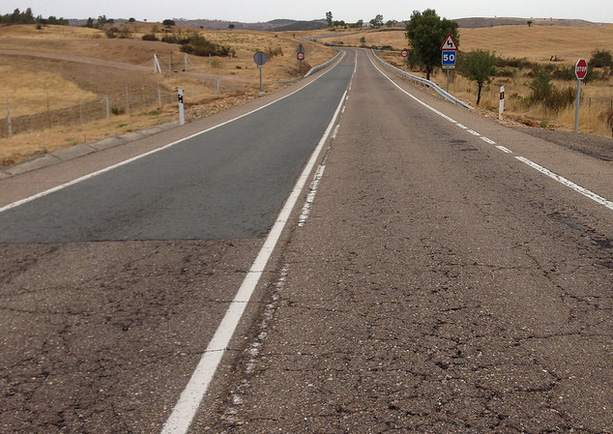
{"x": 404, "y": 53}
{"x": 300, "y": 56}
{"x": 449, "y": 58}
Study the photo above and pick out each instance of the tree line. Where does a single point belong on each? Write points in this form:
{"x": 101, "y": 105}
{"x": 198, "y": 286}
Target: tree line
{"x": 27, "y": 17}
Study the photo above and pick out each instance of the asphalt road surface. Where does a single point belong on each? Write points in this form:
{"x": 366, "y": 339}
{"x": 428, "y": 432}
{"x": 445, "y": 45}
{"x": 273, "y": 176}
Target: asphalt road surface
{"x": 442, "y": 274}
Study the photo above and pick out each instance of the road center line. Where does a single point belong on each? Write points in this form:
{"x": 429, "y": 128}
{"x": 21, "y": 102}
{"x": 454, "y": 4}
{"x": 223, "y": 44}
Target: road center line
{"x": 191, "y": 397}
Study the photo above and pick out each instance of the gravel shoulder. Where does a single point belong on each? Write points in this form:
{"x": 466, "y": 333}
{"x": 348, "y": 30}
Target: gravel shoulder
{"x": 594, "y": 146}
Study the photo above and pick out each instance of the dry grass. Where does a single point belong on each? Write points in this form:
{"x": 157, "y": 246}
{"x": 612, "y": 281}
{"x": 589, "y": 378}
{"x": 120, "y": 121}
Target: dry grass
{"x": 37, "y": 85}
{"x": 538, "y": 43}
{"x": 597, "y": 101}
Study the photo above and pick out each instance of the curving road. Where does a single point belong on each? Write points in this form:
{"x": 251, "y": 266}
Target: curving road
{"x": 440, "y": 273}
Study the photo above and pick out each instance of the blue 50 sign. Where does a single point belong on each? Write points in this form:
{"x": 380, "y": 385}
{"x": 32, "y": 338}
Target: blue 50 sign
{"x": 449, "y": 58}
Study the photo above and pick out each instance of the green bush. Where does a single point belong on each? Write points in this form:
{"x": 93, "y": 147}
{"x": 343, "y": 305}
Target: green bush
{"x": 567, "y": 74}
{"x": 544, "y": 92}
{"x": 601, "y": 59}
{"x": 560, "y": 98}
{"x": 198, "y": 45}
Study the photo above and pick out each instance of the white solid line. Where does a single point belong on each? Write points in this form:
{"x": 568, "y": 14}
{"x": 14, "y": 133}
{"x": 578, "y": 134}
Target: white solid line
{"x": 587, "y": 193}
{"x": 138, "y": 157}
{"x": 444, "y": 116}
{"x": 189, "y": 401}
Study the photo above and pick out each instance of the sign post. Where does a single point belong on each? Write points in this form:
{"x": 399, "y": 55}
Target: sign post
{"x": 580, "y": 72}
{"x": 449, "y": 54}
{"x": 181, "y": 109}
{"x": 300, "y": 55}
{"x": 501, "y": 106}
{"x": 260, "y": 58}
{"x": 405, "y": 55}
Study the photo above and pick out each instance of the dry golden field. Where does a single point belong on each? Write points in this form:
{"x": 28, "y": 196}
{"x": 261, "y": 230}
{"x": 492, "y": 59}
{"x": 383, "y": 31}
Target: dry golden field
{"x": 56, "y": 81}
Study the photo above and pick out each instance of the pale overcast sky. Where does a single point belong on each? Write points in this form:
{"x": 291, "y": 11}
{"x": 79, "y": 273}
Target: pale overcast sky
{"x": 347, "y": 10}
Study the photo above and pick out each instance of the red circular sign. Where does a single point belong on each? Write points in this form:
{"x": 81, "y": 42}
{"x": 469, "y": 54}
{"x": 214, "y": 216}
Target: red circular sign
{"x": 404, "y": 53}
{"x": 581, "y": 69}
{"x": 300, "y": 56}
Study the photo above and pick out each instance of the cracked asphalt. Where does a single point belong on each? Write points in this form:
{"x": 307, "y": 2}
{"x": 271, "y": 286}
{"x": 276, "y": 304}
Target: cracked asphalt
{"x": 437, "y": 287}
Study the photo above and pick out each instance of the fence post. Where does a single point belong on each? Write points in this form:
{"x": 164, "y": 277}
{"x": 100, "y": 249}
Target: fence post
{"x": 127, "y": 100}
{"x": 10, "y": 123}
{"x": 108, "y": 107}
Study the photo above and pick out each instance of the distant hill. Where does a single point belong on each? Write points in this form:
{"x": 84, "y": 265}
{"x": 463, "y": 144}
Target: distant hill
{"x": 281, "y": 25}
{"x": 278, "y": 25}
{"x": 478, "y": 22}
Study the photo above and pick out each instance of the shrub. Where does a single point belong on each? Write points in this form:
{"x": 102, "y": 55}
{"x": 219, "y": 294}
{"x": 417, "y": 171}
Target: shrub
{"x": 150, "y": 37}
{"x": 560, "y": 98}
{"x": 112, "y": 33}
{"x": 567, "y": 74}
{"x": 601, "y": 59}
{"x": 272, "y": 52}
{"x": 198, "y": 45}
{"x": 541, "y": 86}
{"x": 543, "y": 91}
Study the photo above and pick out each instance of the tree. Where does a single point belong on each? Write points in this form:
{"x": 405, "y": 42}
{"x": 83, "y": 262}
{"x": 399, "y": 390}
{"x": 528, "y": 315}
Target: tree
{"x": 426, "y": 33}
{"x": 377, "y": 21}
{"x": 479, "y": 66}
{"x": 329, "y": 19}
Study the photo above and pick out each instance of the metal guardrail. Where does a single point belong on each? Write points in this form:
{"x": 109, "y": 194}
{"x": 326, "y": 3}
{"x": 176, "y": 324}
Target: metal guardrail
{"x": 322, "y": 66}
{"x": 427, "y": 83}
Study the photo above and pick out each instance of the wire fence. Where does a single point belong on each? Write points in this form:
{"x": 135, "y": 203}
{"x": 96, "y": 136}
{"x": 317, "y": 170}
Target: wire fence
{"x": 133, "y": 99}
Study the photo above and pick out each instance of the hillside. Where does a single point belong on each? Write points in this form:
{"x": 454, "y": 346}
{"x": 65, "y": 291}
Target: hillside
{"x": 478, "y": 22}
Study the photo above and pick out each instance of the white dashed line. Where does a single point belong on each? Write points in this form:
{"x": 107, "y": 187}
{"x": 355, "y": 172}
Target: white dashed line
{"x": 584, "y": 191}
{"x": 505, "y": 150}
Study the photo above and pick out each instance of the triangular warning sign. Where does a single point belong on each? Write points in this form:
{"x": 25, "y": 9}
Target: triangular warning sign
{"x": 449, "y": 43}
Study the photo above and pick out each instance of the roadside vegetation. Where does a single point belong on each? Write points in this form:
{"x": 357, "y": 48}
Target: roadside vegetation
{"x": 534, "y": 63}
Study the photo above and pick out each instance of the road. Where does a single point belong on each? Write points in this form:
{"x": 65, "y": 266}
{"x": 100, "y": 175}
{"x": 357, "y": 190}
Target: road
{"x": 443, "y": 273}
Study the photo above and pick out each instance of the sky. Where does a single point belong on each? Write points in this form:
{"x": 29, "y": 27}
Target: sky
{"x": 346, "y": 10}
